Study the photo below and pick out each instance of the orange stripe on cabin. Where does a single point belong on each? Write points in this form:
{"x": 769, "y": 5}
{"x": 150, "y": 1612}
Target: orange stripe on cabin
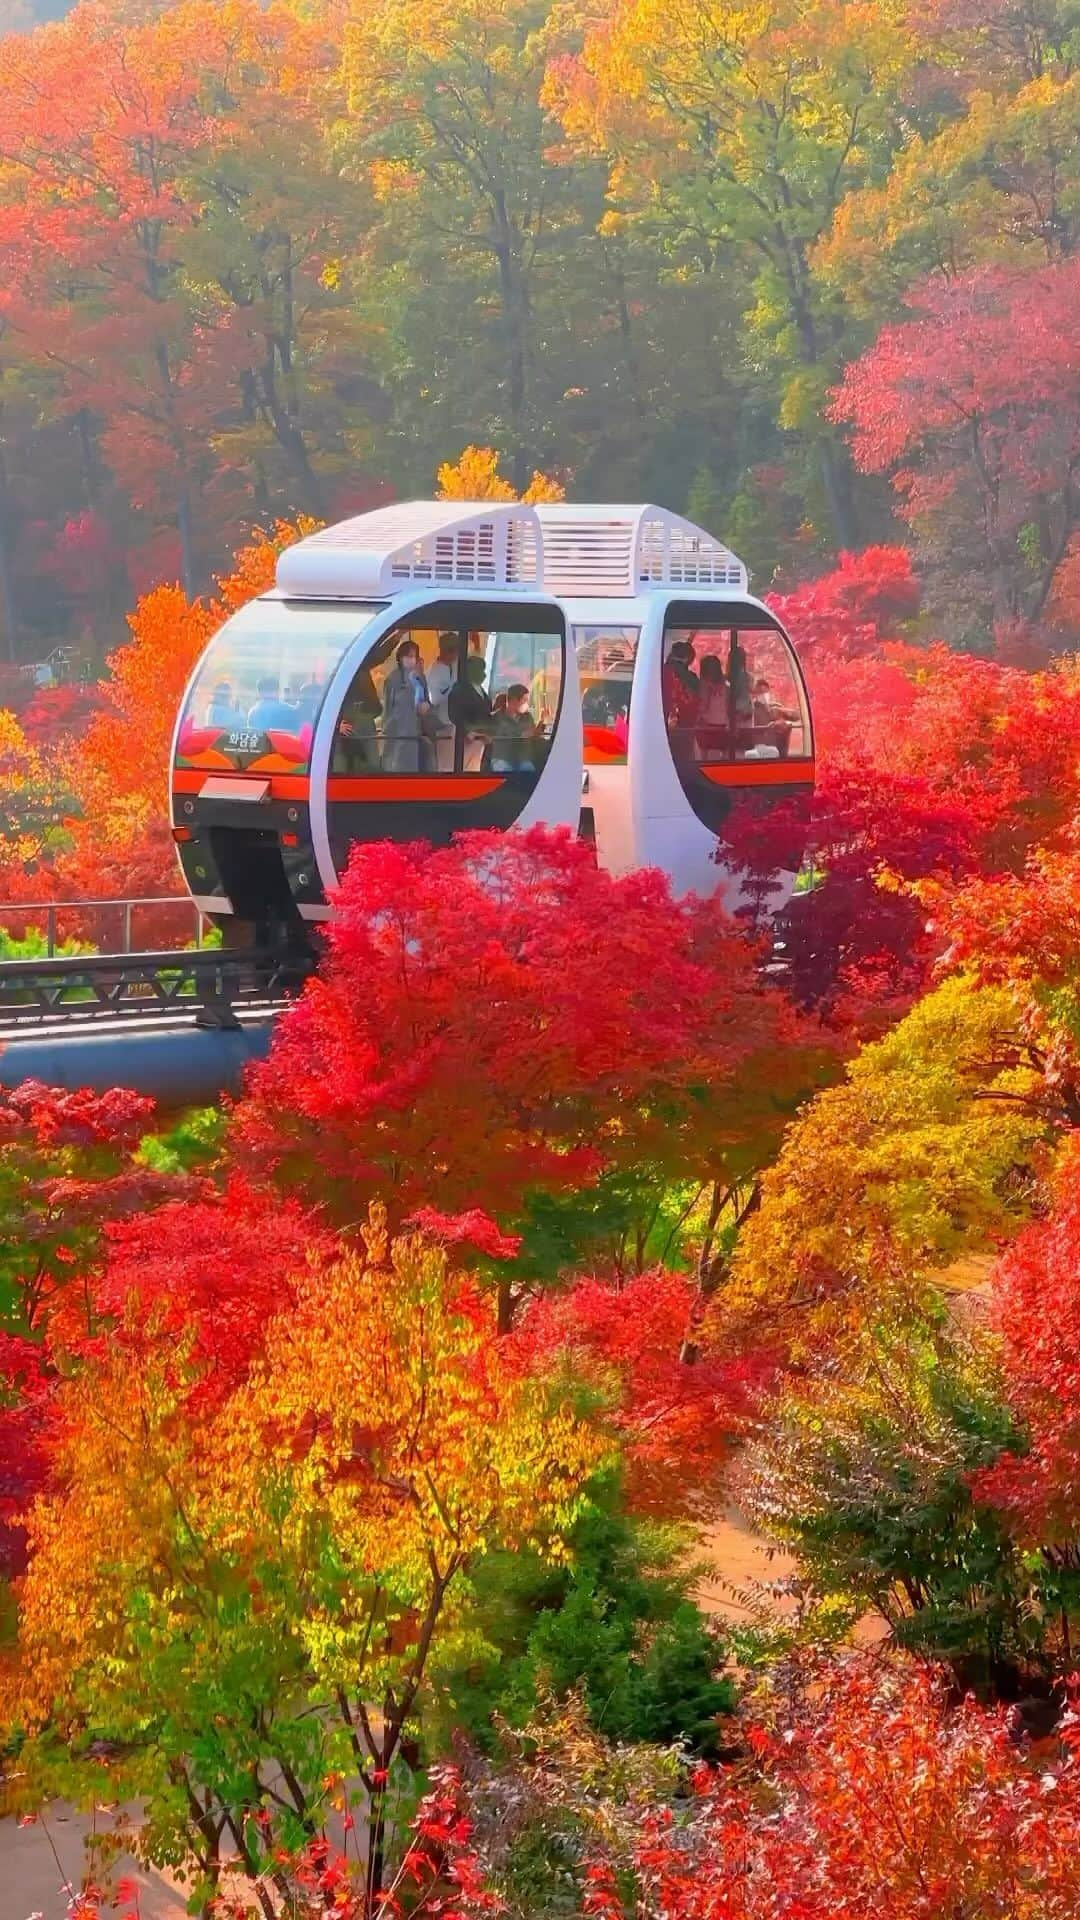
{"x": 391, "y": 786}
{"x": 283, "y": 786}
{"x": 760, "y": 773}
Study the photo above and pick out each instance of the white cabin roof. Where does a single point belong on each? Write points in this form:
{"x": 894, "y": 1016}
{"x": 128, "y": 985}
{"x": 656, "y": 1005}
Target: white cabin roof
{"x": 449, "y": 543}
{"x": 608, "y": 552}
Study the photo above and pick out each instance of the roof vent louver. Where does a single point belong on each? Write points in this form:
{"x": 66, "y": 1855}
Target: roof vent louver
{"x": 438, "y": 543}
{"x": 615, "y": 552}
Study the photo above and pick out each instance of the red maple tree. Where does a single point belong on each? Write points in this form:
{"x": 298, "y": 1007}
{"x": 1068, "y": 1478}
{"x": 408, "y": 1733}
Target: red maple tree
{"x": 851, "y": 610}
{"x": 675, "y": 1419}
{"x": 875, "y": 1796}
{"x": 1036, "y": 1309}
{"x": 68, "y": 1170}
{"x": 973, "y": 406}
{"x": 495, "y": 1018}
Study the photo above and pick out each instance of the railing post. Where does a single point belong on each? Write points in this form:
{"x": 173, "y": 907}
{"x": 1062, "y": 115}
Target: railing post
{"x": 127, "y": 926}
{"x": 50, "y": 931}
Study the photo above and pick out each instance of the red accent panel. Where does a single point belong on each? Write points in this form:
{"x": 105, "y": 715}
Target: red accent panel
{"x": 291, "y": 746}
{"x": 604, "y": 739}
{"x": 760, "y": 773}
{"x": 196, "y": 739}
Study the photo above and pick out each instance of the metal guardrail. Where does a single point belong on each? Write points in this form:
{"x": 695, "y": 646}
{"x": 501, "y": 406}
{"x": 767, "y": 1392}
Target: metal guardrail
{"x": 48, "y": 915}
{"x": 75, "y": 993}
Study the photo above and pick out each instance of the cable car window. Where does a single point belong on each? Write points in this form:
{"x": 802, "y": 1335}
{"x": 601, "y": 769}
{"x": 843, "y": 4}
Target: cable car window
{"x": 452, "y": 700}
{"x": 606, "y": 658}
{"x": 257, "y": 694}
{"x": 733, "y": 694}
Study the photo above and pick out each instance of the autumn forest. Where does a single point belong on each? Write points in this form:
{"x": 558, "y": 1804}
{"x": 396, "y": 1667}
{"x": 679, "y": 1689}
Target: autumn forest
{"x": 588, "y": 1430}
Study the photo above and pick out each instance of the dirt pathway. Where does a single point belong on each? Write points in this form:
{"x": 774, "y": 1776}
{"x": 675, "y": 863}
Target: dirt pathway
{"x": 740, "y": 1562}
{"x": 40, "y": 1867}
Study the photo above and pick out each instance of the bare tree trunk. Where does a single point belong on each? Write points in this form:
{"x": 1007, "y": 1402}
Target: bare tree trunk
{"x": 290, "y": 439}
{"x": 837, "y": 484}
{"x": 713, "y": 1267}
{"x": 87, "y": 457}
{"x": 515, "y": 317}
{"x": 187, "y": 556}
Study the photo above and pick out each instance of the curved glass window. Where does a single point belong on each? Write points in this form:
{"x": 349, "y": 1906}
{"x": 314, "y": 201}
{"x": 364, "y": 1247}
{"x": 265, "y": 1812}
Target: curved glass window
{"x": 606, "y": 658}
{"x": 733, "y": 693}
{"x": 447, "y": 698}
{"x": 260, "y": 686}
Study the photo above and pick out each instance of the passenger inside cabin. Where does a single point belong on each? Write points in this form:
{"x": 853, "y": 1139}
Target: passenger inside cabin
{"x": 406, "y": 710}
{"x": 270, "y": 710}
{"x": 713, "y": 713}
{"x": 358, "y": 745}
{"x": 308, "y": 701}
{"x": 514, "y": 733}
{"x": 222, "y": 711}
{"x": 768, "y": 711}
{"x": 682, "y": 660}
{"x": 742, "y": 700}
{"x": 682, "y": 691}
{"x": 442, "y": 676}
{"x": 469, "y": 708}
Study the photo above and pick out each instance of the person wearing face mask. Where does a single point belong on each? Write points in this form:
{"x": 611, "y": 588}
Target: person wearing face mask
{"x": 406, "y": 708}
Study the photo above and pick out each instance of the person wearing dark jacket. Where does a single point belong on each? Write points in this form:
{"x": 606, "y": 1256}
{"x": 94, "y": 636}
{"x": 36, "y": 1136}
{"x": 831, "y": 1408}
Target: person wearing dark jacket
{"x": 470, "y": 711}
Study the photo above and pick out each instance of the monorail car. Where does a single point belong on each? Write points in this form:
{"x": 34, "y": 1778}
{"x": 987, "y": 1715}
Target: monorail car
{"x": 423, "y": 669}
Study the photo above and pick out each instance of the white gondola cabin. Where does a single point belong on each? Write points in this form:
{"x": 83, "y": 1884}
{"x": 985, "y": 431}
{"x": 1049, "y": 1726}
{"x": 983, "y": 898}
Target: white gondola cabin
{"x": 437, "y": 666}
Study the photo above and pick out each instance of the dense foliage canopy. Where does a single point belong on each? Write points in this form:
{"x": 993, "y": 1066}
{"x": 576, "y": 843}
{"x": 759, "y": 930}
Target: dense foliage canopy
{"x": 793, "y": 270}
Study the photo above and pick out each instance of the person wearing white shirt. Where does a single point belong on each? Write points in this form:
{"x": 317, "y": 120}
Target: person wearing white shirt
{"x": 442, "y": 675}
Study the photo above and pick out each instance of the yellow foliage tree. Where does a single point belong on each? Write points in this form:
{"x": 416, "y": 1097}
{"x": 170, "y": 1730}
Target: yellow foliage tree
{"x": 475, "y": 476}
{"x": 736, "y": 131}
{"x": 923, "y": 1153}
{"x": 34, "y": 803}
{"x": 986, "y": 188}
{"x": 247, "y": 1605}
